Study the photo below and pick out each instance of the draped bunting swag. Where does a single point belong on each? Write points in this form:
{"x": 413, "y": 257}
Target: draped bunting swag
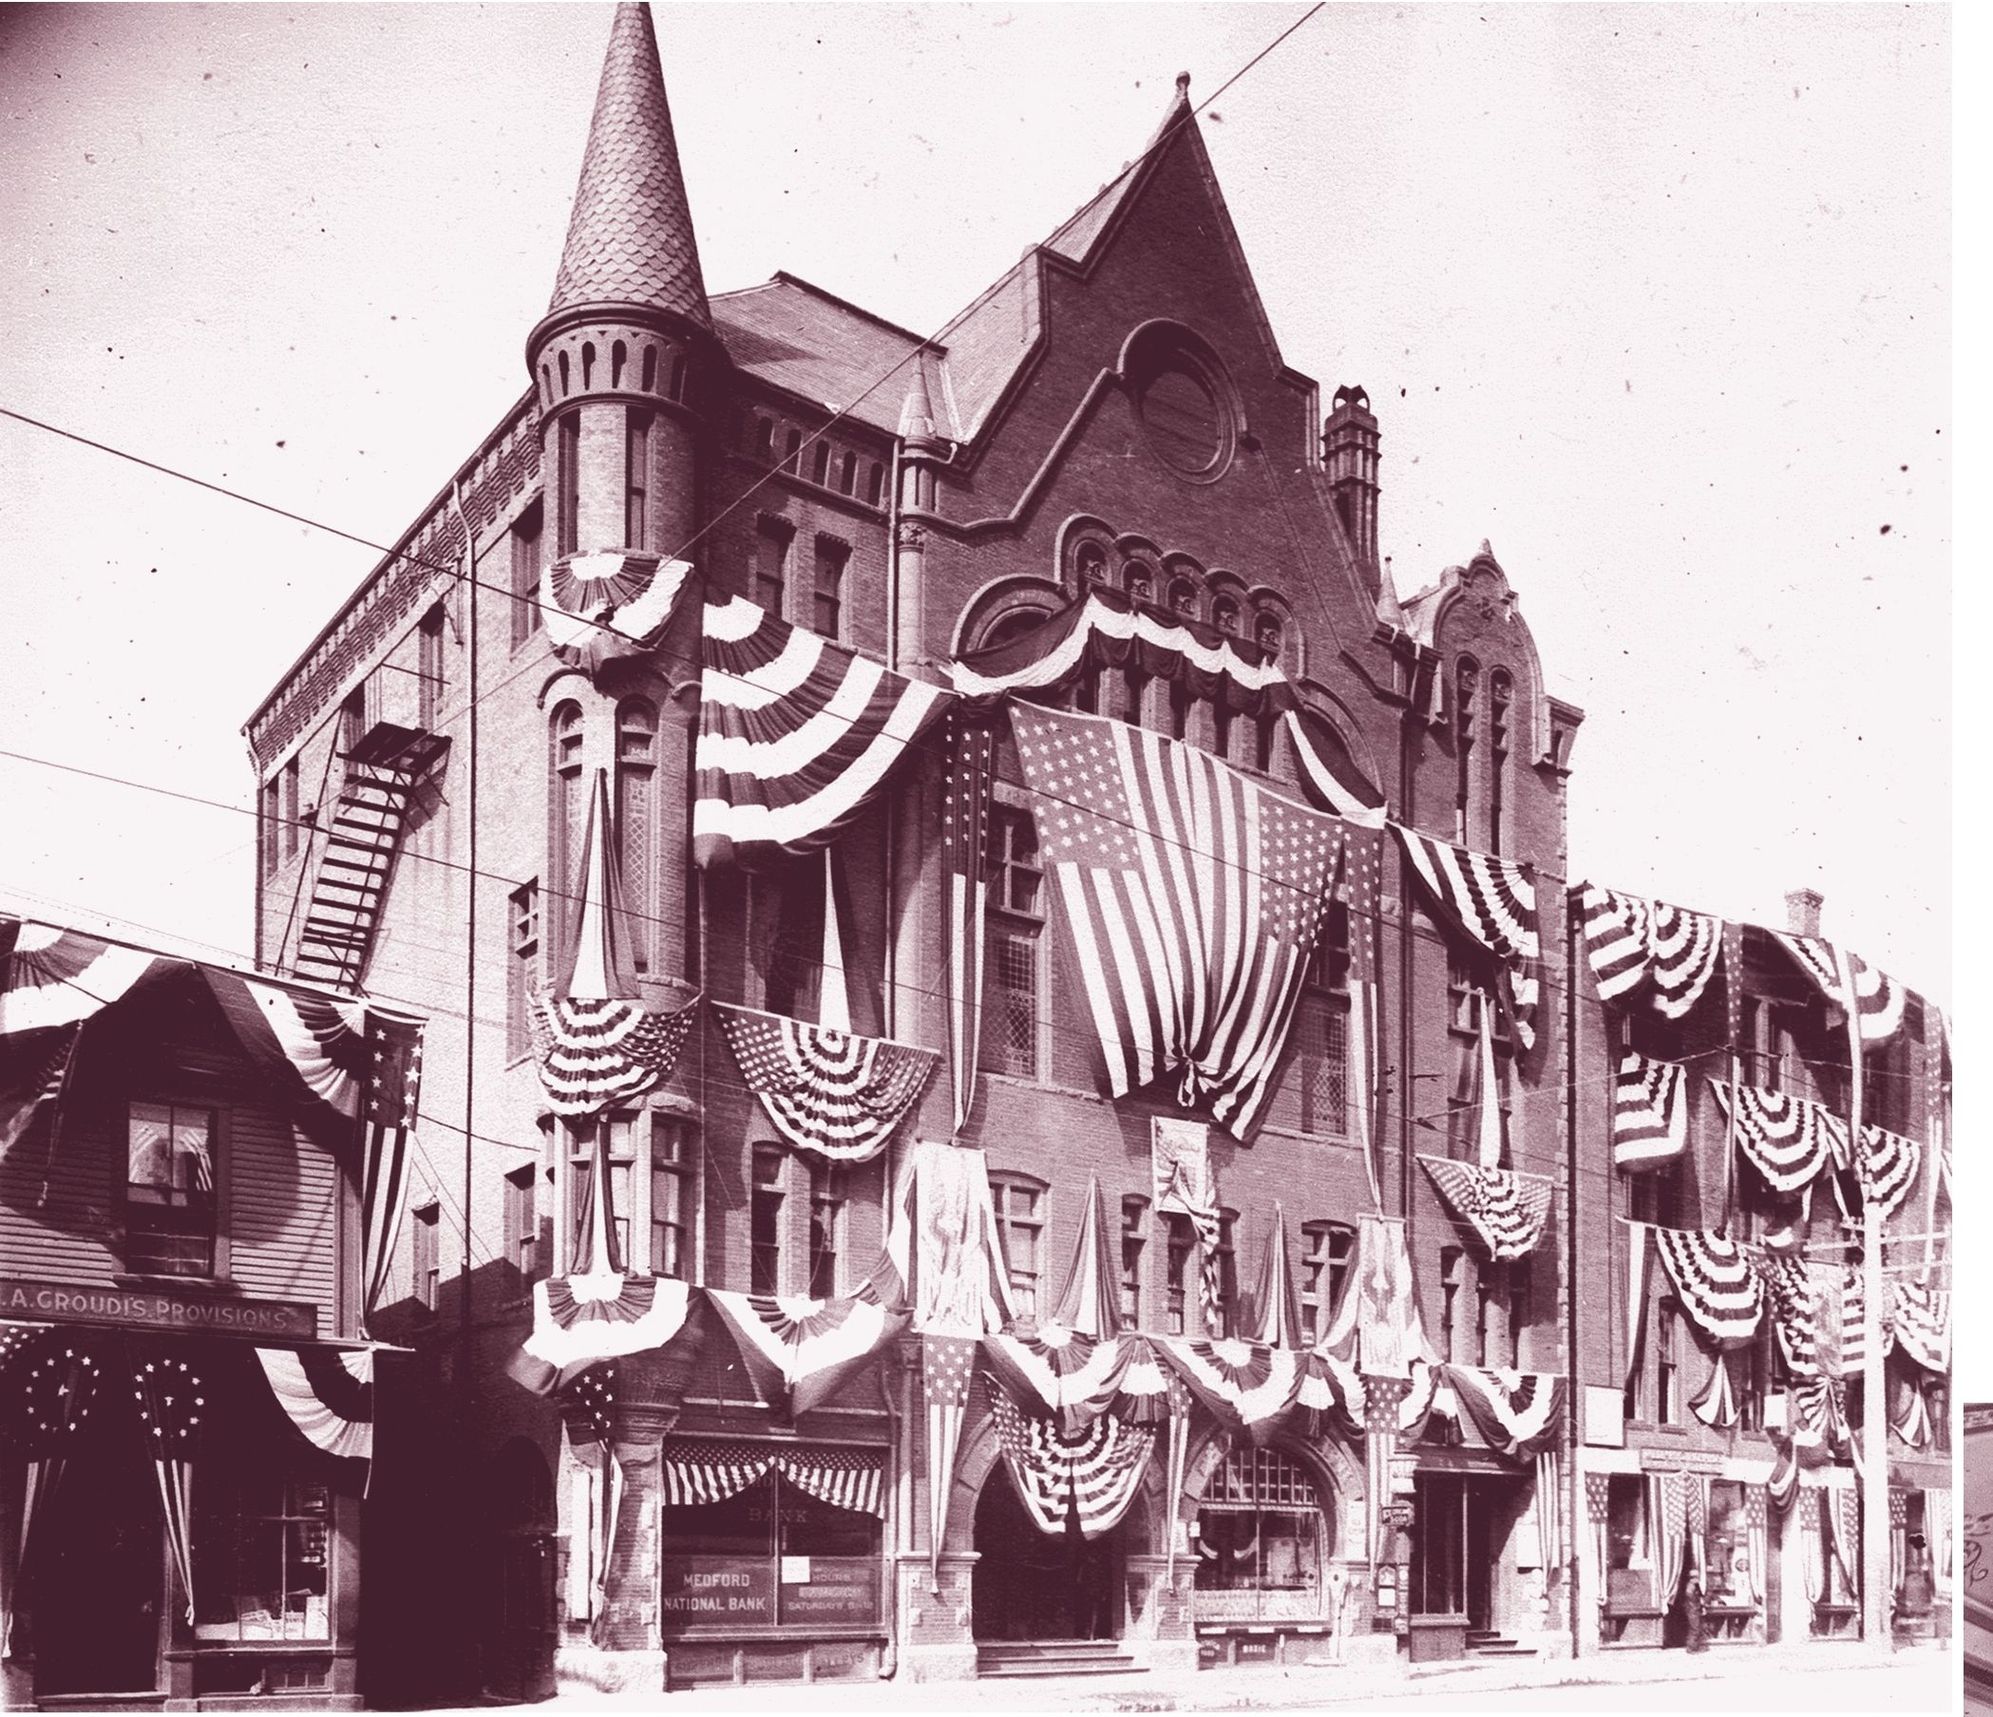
{"x": 1518, "y": 1413}
{"x": 1787, "y": 1139}
{"x": 1880, "y": 1002}
{"x": 328, "y": 1395}
{"x": 830, "y": 1092}
{"x": 1648, "y": 951}
{"x": 1507, "y": 1209}
{"x": 697, "y": 1471}
{"x": 1649, "y": 1112}
{"x": 812, "y": 1348}
{"x": 1492, "y": 902}
{"x": 1089, "y": 1477}
{"x": 1329, "y": 775}
{"x": 1716, "y": 1404}
{"x": 600, "y": 606}
{"x": 1889, "y": 1164}
{"x": 795, "y": 735}
{"x": 1920, "y": 1322}
{"x": 1714, "y": 1278}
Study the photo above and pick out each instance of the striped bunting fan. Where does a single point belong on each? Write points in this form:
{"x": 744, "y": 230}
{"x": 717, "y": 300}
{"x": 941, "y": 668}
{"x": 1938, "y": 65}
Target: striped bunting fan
{"x": 597, "y": 1043}
{"x": 832, "y": 1092}
{"x": 1192, "y": 897}
{"x": 1648, "y": 948}
{"x": 1649, "y": 1112}
{"x": 1060, "y": 1371}
{"x": 597, "y": 606}
{"x": 1889, "y": 1164}
{"x": 1506, "y": 1208}
{"x": 812, "y": 1348}
{"x": 1716, "y": 1403}
{"x": 795, "y": 734}
{"x": 1920, "y": 1322}
{"x": 1787, "y": 1139}
{"x": 1246, "y": 1385}
{"x": 1789, "y": 1290}
{"x": 1719, "y": 1288}
{"x": 1492, "y": 902}
{"x": 1880, "y": 1001}
{"x": 698, "y": 1471}
{"x": 1090, "y": 1477}
{"x": 1518, "y": 1413}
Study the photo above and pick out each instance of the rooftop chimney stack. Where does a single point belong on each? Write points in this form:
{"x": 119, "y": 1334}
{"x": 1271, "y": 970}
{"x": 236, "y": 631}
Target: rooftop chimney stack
{"x": 1349, "y": 450}
{"x": 1802, "y": 911}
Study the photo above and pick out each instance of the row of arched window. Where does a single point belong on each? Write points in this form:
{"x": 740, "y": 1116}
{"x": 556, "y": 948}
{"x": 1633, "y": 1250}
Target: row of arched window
{"x": 829, "y": 466}
{"x": 633, "y": 822}
{"x": 1179, "y": 589}
{"x": 619, "y": 369}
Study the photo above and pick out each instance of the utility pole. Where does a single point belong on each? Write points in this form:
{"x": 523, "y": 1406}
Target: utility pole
{"x": 1877, "y": 1598}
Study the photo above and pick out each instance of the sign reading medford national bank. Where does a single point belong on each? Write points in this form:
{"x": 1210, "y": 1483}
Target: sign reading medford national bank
{"x": 157, "y": 1308}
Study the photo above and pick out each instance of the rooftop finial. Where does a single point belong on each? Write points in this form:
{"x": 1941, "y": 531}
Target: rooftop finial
{"x": 1183, "y": 86}
{"x": 629, "y": 240}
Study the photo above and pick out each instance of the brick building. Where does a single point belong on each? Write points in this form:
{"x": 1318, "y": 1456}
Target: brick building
{"x": 487, "y": 779}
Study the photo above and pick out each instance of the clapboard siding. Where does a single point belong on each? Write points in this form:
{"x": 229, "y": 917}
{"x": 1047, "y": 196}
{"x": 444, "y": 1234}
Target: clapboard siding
{"x": 58, "y": 1207}
{"x": 283, "y": 1214}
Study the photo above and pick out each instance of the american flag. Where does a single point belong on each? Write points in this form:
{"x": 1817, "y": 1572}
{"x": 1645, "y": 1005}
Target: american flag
{"x": 387, "y": 1117}
{"x": 1362, "y": 873}
{"x": 844, "y": 1478}
{"x": 33, "y": 1068}
{"x": 947, "y": 1364}
{"x": 1193, "y": 897}
{"x": 965, "y": 818}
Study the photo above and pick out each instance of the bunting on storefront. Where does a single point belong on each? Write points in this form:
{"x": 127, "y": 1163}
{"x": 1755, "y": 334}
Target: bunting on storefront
{"x": 1329, "y": 775}
{"x": 1787, "y": 1139}
{"x": 1492, "y": 903}
{"x": 52, "y": 982}
{"x": 1060, "y": 1371}
{"x": 1330, "y": 1392}
{"x": 315, "y": 1046}
{"x": 598, "y": 1312}
{"x": 833, "y": 1093}
{"x": 1715, "y": 1404}
{"x": 1719, "y": 1289}
{"x": 1375, "y": 1325}
{"x": 966, "y": 788}
{"x": 1518, "y": 1413}
{"x": 1246, "y": 1385}
{"x": 698, "y": 1471}
{"x": 1650, "y": 1116}
{"x": 1789, "y": 1296}
{"x": 1648, "y": 951}
{"x": 1180, "y": 1172}
{"x": 812, "y": 1348}
{"x": 1506, "y": 1208}
{"x": 1879, "y": 1001}
{"x": 795, "y": 735}
{"x": 1087, "y": 1477}
{"x": 1192, "y": 896}
{"x": 172, "y": 1402}
{"x": 1920, "y": 1322}
{"x": 1153, "y": 1394}
{"x": 1667, "y": 1531}
{"x": 616, "y": 603}
{"x": 1107, "y": 629}
{"x": 597, "y": 1042}
{"x": 1889, "y": 1164}
{"x": 327, "y": 1394}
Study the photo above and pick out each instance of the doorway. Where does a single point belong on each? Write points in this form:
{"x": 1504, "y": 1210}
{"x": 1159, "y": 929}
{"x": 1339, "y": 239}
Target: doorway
{"x": 1035, "y": 1585}
{"x": 1457, "y": 1530}
{"x": 96, "y": 1576}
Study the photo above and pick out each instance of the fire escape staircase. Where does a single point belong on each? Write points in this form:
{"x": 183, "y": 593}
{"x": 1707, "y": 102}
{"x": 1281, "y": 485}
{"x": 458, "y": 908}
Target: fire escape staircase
{"x": 362, "y": 840}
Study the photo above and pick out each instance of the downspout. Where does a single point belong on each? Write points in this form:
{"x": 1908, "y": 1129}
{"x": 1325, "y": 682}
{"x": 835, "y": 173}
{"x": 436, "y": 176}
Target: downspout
{"x": 1574, "y": 1483}
{"x": 1407, "y": 1078}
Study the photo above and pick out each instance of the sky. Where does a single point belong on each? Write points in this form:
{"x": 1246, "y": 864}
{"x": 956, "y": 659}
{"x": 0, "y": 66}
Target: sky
{"x": 1655, "y": 299}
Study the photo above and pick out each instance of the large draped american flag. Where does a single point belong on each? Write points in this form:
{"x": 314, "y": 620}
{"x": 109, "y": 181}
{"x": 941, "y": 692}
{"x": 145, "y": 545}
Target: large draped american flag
{"x": 794, "y": 735}
{"x": 1192, "y": 896}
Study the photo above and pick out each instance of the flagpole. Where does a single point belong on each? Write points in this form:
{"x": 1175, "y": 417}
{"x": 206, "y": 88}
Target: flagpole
{"x": 464, "y": 1339}
{"x": 1876, "y": 1596}
{"x": 1574, "y": 1479}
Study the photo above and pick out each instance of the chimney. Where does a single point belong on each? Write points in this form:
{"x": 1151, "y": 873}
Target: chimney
{"x": 1349, "y": 452}
{"x": 1802, "y": 911}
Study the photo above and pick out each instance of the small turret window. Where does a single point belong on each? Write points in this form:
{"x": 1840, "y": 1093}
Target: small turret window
{"x": 636, "y": 490}
{"x": 847, "y": 475}
{"x": 587, "y": 365}
{"x": 619, "y": 355}
{"x": 875, "y": 483}
{"x": 791, "y": 446}
{"x": 678, "y": 376}
{"x": 650, "y": 369}
{"x": 820, "y": 463}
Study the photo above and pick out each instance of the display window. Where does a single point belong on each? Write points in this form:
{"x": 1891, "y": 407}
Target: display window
{"x": 1260, "y": 1540}
{"x": 261, "y": 1558}
{"x": 1727, "y": 1546}
{"x": 771, "y": 1555}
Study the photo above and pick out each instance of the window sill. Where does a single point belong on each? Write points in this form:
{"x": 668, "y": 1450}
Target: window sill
{"x": 211, "y": 1284}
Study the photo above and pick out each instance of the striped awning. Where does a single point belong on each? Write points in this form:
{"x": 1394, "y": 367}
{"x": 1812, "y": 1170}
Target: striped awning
{"x": 701, "y": 1470}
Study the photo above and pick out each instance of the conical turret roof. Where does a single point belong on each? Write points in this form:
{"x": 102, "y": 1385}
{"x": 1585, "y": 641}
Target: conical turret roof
{"x": 629, "y": 240}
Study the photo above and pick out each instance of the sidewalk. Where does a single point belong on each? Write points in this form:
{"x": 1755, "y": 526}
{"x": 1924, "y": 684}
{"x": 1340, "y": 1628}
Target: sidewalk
{"x": 1272, "y": 1687}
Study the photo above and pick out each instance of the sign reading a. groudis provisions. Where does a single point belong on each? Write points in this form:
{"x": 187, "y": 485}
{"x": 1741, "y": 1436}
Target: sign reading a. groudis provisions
{"x": 158, "y": 1308}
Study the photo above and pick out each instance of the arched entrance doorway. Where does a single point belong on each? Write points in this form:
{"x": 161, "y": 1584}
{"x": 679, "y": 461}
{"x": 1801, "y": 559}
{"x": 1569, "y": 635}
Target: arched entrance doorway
{"x": 1035, "y": 1585}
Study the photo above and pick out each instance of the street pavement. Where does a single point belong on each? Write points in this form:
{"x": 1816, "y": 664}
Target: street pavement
{"x": 1812, "y": 1677}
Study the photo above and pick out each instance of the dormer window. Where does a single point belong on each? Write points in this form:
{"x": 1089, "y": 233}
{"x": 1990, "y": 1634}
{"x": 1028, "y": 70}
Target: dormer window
{"x": 170, "y": 1190}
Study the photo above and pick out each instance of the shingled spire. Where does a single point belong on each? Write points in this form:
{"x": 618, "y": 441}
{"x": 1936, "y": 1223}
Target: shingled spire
{"x": 629, "y": 240}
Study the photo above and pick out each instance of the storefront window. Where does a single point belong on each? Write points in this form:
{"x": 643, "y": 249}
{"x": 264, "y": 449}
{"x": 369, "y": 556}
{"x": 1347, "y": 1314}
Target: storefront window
{"x": 769, "y": 1555}
{"x": 1728, "y": 1545}
{"x": 1259, "y": 1540}
{"x": 261, "y": 1549}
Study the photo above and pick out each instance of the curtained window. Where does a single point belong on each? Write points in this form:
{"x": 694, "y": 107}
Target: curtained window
{"x": 169, "y": 1202}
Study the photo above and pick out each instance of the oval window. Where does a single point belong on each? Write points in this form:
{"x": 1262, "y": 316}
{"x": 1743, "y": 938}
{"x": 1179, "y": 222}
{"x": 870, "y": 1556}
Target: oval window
{"x": 1185, "y": 424}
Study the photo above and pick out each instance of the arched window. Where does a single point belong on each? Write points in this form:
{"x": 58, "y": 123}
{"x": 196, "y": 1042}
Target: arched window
{"x": 1183, "y": 596}
{"x": 636, "y": 823}
{"x": 1501, "y": 699}
{"x": 587, "y": 365}
{"x": 1015, "y": 623}
{"x": 1225, "y": 616}
{"x": 1089, "y": 566}
{"x": 791, "y": 444}
{"x": 650, "y": 369}
{"x": 678, "y": 376}
{"x": 1139, "y": 580}
{"x": 1267, "y": 635}
{"x": 820, "y": 463}
{"x": 875, "y": 483}
{"x": 1262, "y": 1535}
{"x": 566, "y": 810}
{"x": 764, "y": 439}
{"x": 847, "y": 474}
{"x": 619, "y": 355}
{"x": 1466, "y": 685}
